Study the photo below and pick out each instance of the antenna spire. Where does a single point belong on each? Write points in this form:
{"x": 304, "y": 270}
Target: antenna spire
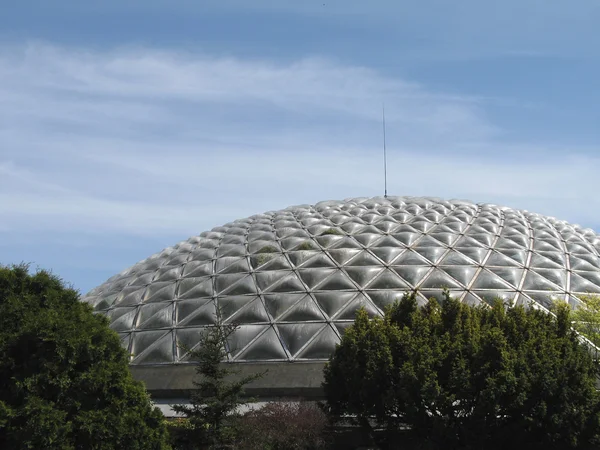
{"x": 384, "y": 155}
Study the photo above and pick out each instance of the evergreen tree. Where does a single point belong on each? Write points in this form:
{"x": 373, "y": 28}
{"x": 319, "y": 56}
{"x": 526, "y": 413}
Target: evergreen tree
{"x": 586, "y": 319}
{"x": 219, "y": 393}
{"x": 64, "y": 377}
{"x": 460, "y": 376}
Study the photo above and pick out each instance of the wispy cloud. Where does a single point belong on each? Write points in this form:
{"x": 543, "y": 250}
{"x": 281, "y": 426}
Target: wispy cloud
{"x": 144, "y": 141}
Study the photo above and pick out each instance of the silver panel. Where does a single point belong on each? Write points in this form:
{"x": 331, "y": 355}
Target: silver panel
{"x": 293, "y": 279}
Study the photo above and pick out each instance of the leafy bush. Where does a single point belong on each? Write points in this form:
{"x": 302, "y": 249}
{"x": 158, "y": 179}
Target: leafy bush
{"x": 467, "y": 377}
{"x": 283, "y": 426}
{"x": 64, "y": 377}
{"x": 181, "y": 433}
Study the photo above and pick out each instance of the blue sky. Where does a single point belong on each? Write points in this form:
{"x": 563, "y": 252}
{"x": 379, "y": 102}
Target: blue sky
{"x": 128, "y": 126}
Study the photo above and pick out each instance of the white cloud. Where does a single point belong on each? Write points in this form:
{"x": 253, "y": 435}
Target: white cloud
{"x": 141, "y": 141}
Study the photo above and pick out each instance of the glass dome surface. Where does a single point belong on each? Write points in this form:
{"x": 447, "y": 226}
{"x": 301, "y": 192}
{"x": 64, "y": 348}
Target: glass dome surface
{"x": 293, "y": 279}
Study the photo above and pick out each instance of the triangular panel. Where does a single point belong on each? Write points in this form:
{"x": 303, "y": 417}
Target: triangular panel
{"x": 244, "y": 286}
{"x": 142, "y": 341}
{"x": 578, "y": 263}
{"x": 130, "y": 296}
{"x": 476, "y": 254}
{"x": 431, "y": 254}
{"x": 278, "y": 304}
{"x": 266, "y": 347}
{"x": 467, "y": 241}
{"x": 338, "y": 281}
{"x": 535, "y": 282}
{"x": 388, "y": 241}
{"x": 289, "y": 283}
{"x": 195, "y": 288}
{"x": 275, "y": 262}
{"x": 342, "y": 256}
{"x": 556, "y": 276}
{"x": 305, "y": 310}
{"x": 511, "y": 275}
{"x": 462, "y": 274}
{"x": 407, "y": 237}
{"x": 557, "y": 257}
{"x": 322, "y": 346}
{"x": 550, "y": 245}
{"x": 428, "y": 241}
{"x": 411, "y": 258}
{"x": 243, "y": 336}
{"x": 252, "y": 311}
{"x": 439, "y": 279}
{"x": 328, "y": 241}
{"x": 411, "y": 274}
{"x": 332, "y": 302}
{"x": 341, "y": 327}
{"x": 388, "y": 279}
{"x": 300, "y": 257}
{"x": 155, "y": 315}
{"x": 313, "y": 277}
{"x": 160, "y": 351}
{"x": 319, "y": 260}
{"x": 387, "y": 254}
{"x": 489, "y": 280}
{"x": 364, "y": 258}
{"x": 360, "y": 301}
{"x": 296, "y": 335}
{"x": 195, "y": 313}
{"x": 593, "y": 277}
{"x": 454, "y": 258}
{"x": 160, "y": 292}
{"x": 121, "y": 319}
{"x": 232, "y": 264}
{"x": 484, "y": 239}
{"x": 382, "y": 299}
{"x": 367, "y": 239}
{"x": 444, "y": 237}
{"x": 346, "y": 242}
{"x": 363, "y": 275}
{"x": 500, "y": 260}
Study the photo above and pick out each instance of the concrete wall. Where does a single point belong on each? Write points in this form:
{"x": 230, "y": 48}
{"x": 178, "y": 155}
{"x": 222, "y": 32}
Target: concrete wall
{"x": 288, "y": 379}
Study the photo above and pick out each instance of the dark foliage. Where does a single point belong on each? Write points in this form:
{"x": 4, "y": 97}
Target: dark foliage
{"x": 219, "y": 392}
{"x": 467, "y": 377}
{"x": 283, "y": 426}
{"x": 64, "y": 379}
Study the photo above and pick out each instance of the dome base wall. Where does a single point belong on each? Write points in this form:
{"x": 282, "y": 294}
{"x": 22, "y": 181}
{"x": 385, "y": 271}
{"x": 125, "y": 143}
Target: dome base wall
{"x": 281, "y": 380}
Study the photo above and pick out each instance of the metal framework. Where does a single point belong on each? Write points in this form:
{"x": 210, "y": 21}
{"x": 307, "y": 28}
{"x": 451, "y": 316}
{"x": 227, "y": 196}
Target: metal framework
{"x": 293, "y": 279}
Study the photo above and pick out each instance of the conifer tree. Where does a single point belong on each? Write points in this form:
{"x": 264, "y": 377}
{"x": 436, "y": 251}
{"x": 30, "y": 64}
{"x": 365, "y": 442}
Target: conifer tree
{"x": 460, "y": 376}
{"x": 219, "y": 390}
{"x": 64, "y": 376}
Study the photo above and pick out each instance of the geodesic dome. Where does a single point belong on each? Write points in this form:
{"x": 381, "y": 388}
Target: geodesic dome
{"x": 293, "y": 279}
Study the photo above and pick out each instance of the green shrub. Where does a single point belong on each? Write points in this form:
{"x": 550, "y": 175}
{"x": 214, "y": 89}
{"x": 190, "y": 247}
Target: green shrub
{"x": 181, "y": 434}
{"x": 64, "y": 377}
{"x": 467, "y": 377}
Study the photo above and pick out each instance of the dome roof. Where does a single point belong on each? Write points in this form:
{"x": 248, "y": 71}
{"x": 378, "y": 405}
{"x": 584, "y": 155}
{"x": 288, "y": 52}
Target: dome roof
{"x": 293, "y": 279}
